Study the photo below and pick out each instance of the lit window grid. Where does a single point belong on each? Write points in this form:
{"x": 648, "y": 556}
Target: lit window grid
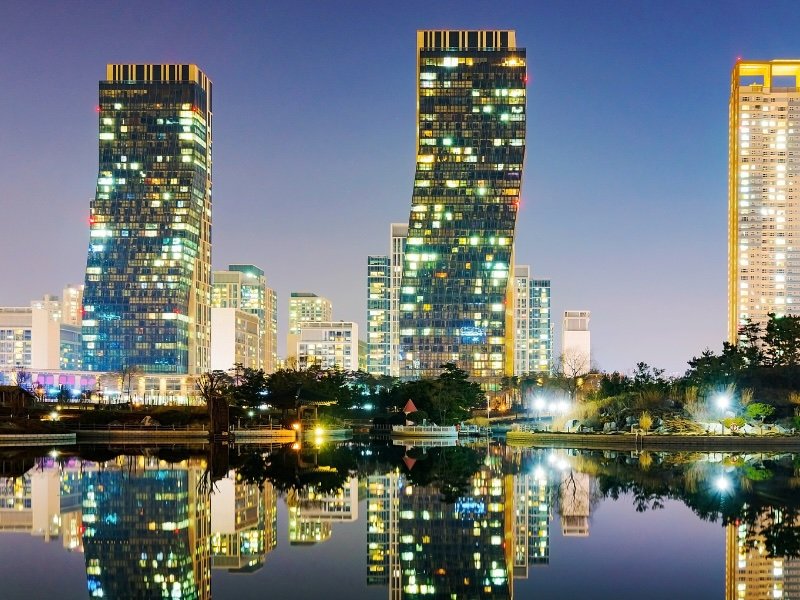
{"x": 148, "y": 267}
{"x": 462, "y": 221}
{"x": 765, "y": 130}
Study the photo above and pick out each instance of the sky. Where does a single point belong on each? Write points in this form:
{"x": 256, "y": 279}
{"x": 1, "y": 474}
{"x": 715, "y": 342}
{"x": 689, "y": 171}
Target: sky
{"x": 624, "y": 201}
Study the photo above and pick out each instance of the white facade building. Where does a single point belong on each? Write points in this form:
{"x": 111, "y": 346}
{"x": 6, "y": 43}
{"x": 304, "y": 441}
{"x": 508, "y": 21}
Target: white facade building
{"x": 327, "y": 344}
{"x": 305, "y": 307}
{"x": 576, "y": 347}
{"x": 235, "y": 339}
{"x": 36, "y": 337}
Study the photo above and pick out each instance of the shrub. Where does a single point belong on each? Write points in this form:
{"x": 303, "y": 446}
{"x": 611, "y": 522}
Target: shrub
{"x": 645, "y": 421}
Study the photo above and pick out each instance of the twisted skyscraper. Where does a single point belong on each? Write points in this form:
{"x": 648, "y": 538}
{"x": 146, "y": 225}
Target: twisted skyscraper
{"x": 454, "y": 299}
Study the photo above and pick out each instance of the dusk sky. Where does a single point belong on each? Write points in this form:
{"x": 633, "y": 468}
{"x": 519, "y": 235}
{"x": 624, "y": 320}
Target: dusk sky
{"x": 624, "y": 201}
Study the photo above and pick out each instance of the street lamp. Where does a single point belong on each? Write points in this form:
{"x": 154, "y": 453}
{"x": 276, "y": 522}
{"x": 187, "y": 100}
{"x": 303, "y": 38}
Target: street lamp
{"x": 722, "y": 401}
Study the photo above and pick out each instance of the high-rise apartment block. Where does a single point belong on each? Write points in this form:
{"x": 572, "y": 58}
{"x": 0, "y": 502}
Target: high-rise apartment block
{"x": 147, "y": 301}
{"x": 378, "y": 315}
{"x": 397, "y": 254}
{"x": 763, "y": 192}
{"x": 533, "y": 348}
{"x": 456, "y": 291}
{"x": 384, "y": 276}
{"x": 305, "y": 307}
{"x": 243, "y": 288}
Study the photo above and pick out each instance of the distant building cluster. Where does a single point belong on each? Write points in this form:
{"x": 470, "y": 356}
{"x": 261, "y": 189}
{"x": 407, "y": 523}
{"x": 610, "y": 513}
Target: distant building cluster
{"x": 448, "y": 290}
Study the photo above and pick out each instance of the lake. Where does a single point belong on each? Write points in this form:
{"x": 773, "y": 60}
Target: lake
{"x": 378, "y": 520}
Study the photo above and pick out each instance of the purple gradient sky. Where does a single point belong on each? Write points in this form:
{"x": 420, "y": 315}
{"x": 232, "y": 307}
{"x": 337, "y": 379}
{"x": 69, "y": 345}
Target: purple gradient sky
{"x": 624, "y": 199}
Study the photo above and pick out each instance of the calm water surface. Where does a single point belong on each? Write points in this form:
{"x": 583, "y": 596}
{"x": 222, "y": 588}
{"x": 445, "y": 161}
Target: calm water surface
{"x": 364, "y": 520}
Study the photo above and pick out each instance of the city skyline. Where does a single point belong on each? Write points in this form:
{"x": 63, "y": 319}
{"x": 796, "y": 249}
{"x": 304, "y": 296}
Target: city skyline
{"x": 657, "y": 118}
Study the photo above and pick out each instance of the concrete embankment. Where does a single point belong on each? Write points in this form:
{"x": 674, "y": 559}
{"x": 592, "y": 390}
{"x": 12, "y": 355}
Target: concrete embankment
{"x": 267, "y": 436}
{"x": 139, "y": 436}
{"x": 37, "y": 439}
{"x": 599, "y": 441}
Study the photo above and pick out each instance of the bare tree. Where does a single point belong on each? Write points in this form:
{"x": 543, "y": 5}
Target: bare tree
{"x": 126, "y": 374}
{"x": 573, "y": 364}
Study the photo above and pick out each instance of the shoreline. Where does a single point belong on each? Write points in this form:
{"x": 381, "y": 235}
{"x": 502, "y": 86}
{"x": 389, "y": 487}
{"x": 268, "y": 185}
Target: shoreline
{"x": 626, "y": 441}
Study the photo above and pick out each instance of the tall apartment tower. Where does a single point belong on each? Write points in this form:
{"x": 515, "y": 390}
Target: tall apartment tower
{"x": 305, "y": 307}
{"x": 763, "y": 192}
{"x": 397, "y": 253}
{"x": 456, "y": 289}
{"x": 541, "y": 322}
{"x": 533, "y": 348}
{"x": 384, "y": 276}
{"x": 378, "y": 315}
{"x": 147, "y": 299}
{"x": 244, "y": 287}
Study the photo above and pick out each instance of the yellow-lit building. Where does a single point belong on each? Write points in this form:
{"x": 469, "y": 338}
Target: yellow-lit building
{"x": 763, "y": 201}
{"x": 750, "y": 572}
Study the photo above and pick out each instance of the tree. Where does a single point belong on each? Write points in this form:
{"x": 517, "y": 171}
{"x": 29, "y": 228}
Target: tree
{"x": 733, "y": 423}
{"x": 215, "y": 389}
{"x": 249, "y": 387}
{"x": 573, "y": 364}
{"x": 750, "y": 343}
{"x": 782, "y": 341}
{"x": 759, "y": 411}
{"x": 126, "y": 374}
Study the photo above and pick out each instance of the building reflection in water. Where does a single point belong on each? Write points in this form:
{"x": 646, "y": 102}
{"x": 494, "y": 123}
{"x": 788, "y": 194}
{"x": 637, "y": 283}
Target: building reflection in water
{"x": 461, "y": 549}
{"x": 243, "y": 524}
{"x": 383, "y": 511}
{"x": 532, "y": 515}
{"x": 45, "y": 501}
{"x": 313, "y": 510}
{"x": 146, "y": 529}
{"x": 750, "y": 572}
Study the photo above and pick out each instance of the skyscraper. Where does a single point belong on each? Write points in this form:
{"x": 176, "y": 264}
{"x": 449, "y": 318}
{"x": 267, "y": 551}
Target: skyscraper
{"x": 147, "y": 297}
{"x": 454, "y": 299}
{"x": 763, "y": 200}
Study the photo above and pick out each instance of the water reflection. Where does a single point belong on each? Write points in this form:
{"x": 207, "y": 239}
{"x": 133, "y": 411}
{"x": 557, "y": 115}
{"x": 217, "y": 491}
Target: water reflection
{"x": 444, "y": 522}
{"x": 146, "y": 529}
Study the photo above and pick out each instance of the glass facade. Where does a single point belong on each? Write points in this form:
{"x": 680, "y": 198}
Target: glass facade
{"x": 471, "y": 147}
{"x": 147, "y": 296}
{"x": 378, "y": 315}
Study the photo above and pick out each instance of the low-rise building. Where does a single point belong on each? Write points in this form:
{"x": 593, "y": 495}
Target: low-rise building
{"x": 327, "y": 344}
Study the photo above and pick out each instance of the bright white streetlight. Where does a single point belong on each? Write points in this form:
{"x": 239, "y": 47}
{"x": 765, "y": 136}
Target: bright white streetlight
{"x": 722, "y": 401}
{"x": 722, "y": 483}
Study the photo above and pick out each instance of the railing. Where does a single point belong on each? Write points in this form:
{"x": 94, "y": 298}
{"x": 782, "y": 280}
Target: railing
{"x": 269, "y": 427}
{"x": 425, "y": 428}
{"x": 134, "y": 427}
